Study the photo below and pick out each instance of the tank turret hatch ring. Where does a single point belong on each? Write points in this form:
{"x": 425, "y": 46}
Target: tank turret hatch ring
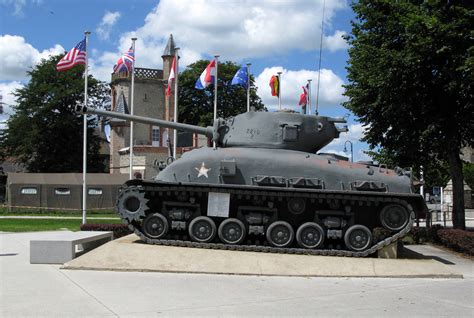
{"x": 202, "y": 229}
{"x": 358, "y": 238}
{"x": 132, "y": 204}
{"x": 280, "y": 234}
{"x": 394, "y": 217}
{"x": 310, "y": 235}
{"x": 232, "y": 231}
{"x": 155, "y": 226}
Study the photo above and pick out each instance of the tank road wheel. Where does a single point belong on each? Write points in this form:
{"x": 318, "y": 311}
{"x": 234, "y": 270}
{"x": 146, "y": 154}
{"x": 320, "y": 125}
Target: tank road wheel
{"x": 310, "y": 235}
{"x": 202, "y": 229}
{"x": 358, "y": 238}
{"x": 280, "y": 234}
{"x": 231, "y": 231}
{"x": 131, "y": 204}
{"x": 155, "y": 226}
{"x": 394, "y": 217}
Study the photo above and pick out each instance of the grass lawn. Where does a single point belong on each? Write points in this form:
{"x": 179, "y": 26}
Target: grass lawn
{"x": 31, "y": 225}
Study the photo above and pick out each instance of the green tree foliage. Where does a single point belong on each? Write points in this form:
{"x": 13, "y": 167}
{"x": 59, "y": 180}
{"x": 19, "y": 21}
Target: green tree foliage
{"x": 411, "y": 75}
{"x": 197, "y": 106}
{"x": 45, "y": 134}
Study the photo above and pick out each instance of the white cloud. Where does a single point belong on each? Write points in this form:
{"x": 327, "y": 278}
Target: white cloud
{"x": 354, "y": 135}
{"x": 291, "y": 82}
{"x": 17, "y": 56}
{"x": 17, "y": 5}
{"x": 335, "y": 42}
{"x": 108, "y": 21}
{"x": 233, "y": 29}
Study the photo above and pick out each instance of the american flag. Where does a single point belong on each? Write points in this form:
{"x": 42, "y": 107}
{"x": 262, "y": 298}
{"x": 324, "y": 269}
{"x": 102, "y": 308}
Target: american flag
{"x": 77, "y": 55}
{"x": 125, "y": 62}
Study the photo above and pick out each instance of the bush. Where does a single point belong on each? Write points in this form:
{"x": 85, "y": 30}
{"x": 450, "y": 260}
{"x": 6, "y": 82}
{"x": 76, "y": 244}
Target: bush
{"x": 119, "y": 230}
{"x": 432, "y": 234}
{"x": 458, "y": 240}
{"x": 379, "y": 234}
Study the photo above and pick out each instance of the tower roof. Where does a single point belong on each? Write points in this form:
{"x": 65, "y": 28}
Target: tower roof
{"x": 170, "y": 47}
{"x": 121, "y": 107}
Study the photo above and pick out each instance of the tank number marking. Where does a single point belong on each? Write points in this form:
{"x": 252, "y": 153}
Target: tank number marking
{"x": 252, "y": 132}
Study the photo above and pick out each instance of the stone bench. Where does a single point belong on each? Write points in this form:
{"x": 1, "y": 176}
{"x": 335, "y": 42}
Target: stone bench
{"x": 62, "y": 247}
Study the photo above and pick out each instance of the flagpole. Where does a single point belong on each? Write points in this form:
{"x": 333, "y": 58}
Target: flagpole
{"x": 279, "y": 90}
{"x": 309, "y": 96}
{"x": 248, "y": 86}
{"x": 175, "y": 115}
{"x": 216, "y": 57}
{"x": 131, "y": 110}
{"x": 84, "y": 143}
{"x": 320, "y": 53}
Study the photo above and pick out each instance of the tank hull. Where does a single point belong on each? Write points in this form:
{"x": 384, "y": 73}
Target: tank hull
{"x": 292, "y": 203}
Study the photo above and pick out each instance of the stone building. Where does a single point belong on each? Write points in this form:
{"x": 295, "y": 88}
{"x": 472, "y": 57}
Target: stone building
{"x": 151, "y": 143}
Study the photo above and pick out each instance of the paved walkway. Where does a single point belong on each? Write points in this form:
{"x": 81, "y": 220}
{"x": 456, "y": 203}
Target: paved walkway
{"x": 48, "y": 291}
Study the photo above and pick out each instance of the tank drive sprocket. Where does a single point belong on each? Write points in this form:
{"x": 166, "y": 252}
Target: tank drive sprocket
{"x": 132, "y": 204}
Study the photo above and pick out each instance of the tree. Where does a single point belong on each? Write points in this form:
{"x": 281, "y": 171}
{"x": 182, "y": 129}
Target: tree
{"x": 411, "y": 75}
{"x": 197, "y": 106}
{"x": 45, "y": 133}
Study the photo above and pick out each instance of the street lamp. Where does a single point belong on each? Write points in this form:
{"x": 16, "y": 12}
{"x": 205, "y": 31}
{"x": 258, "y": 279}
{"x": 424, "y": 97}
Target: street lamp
{"x": 352, "y": 149}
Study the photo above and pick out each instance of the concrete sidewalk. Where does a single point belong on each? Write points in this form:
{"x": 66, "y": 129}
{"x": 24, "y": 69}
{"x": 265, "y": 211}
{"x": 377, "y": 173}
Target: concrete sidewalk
{"x": 48, "y": 291}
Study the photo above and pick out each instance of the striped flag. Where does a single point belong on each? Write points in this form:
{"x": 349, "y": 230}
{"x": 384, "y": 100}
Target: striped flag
{"x": 171, "y": 77}
{"x": 125, "y": 62}
{"x": 77, "y": 55}
{"x": 275, "y": 85}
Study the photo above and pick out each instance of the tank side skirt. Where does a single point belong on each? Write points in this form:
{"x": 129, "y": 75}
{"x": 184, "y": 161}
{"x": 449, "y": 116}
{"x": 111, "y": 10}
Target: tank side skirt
{"x": 360, "y": 198}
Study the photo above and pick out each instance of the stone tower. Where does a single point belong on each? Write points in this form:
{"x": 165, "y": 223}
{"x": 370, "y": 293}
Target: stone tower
{"x": 149, "y": 142}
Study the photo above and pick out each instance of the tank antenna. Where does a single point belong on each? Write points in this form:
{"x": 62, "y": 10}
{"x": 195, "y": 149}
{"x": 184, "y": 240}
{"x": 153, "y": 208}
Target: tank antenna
{"x": 320, "y": 53}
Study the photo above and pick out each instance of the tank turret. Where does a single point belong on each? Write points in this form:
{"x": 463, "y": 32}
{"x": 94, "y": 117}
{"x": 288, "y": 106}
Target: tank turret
{"x": 278, "y": 130}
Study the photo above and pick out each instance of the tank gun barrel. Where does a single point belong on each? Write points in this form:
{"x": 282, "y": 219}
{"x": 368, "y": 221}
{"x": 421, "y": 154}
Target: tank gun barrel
{"x": 207, "y": 131}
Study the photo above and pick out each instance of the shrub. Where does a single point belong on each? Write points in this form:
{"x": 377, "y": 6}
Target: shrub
{"x": 379, "y": 234}
{"x": 458, "y": 240}
{"x": 432, "y": 234}
{"x": 119, "y": 230}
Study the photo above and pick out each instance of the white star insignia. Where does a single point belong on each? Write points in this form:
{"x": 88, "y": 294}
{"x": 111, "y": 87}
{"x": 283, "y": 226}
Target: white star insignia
{"x": 203, "y": 171}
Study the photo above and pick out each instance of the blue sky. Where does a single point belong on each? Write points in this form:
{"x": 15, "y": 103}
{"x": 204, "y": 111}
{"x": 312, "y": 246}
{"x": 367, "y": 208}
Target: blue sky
{"x": 273, "y": 35}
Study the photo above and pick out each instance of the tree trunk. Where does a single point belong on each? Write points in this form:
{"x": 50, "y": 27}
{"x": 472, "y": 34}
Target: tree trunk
{"x": 455, "y": 168}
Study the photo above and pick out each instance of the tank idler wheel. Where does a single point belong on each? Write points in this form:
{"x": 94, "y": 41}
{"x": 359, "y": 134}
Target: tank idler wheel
{"x": 280, "y": 234}
{"x": 394, "y": 217}
{"x": 202, "y": 229}
{"x": 232, "y": 231}
{"x": 310, "y": 235}
{"x": 155, "y": 226}
{"x": 358, "y": 238}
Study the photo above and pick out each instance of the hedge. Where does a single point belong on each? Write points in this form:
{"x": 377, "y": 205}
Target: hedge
{"x": 119, "y": 230}
{"x": 458, "y": 240}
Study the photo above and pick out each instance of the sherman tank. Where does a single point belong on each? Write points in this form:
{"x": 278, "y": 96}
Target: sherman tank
{"x": 262, "y": 187}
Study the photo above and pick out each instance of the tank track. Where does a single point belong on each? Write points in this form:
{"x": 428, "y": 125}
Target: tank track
{"x": 270, "y": 249}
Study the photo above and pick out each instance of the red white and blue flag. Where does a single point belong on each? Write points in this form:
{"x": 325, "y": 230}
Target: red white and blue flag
{"x": 77, "y": 55}
{"x": 207, "y": 77}
{"x": 125, "y": 62}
